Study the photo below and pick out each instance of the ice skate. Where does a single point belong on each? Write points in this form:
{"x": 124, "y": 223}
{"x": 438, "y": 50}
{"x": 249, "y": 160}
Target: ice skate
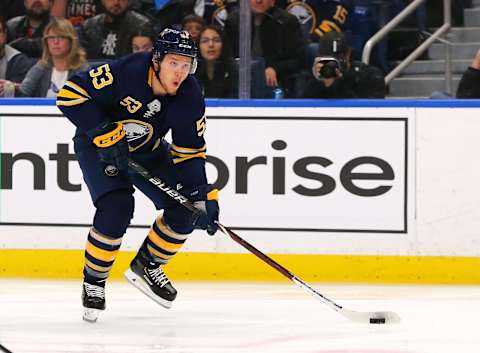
{"x": 93, "y": 299}
{"x": 149, "y": 278}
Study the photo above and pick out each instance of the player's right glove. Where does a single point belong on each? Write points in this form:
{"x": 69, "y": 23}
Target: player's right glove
{"x": 210, "y": 211}
{"x": 112, "y": 146}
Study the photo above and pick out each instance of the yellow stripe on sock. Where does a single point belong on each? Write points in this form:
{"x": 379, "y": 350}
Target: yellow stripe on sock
{"x": 95, "y": 234}
{"x": 159, "y": 254}
{"x": 101, "y": 254}
{"x": 96, "y": 267}
{"x": 161, "y": 243}
{"x": 168, "y": 231}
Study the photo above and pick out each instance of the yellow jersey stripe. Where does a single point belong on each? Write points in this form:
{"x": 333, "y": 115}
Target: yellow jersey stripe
{"x": 64, "y": 93}
{"x": 319, "y": 32}
{"x": 70, "y": 103}
{"x": 198, "y": 155}
{"x": 213, "y": 195}
{"x": 77, "y": 88}
{"x": 188, "y": 150}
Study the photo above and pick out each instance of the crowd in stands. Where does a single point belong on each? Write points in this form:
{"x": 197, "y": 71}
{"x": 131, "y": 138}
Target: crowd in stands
{"x": 305, "y": 48}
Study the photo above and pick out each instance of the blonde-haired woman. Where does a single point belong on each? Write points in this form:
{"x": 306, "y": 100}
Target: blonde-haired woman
{"x": 61, "y": 58}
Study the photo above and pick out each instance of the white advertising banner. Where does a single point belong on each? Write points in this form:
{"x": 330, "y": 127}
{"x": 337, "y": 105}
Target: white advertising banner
{"x": 321, "y": 173}
{"x": 293, "y": 170}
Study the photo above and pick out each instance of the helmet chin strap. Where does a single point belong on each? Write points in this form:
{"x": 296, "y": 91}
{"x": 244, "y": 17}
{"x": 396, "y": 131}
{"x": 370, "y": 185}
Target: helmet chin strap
{"x": 157, "y": 75}
{"x": 156, "y": 72}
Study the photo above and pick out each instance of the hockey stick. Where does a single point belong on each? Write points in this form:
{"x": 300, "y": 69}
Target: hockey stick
{"x": 375, "y": 317}
{"x": 3, "y": 349}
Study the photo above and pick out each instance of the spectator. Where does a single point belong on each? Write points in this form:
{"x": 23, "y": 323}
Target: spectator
{"x": 276, "y": 36}
{"x": 164, "y": 13}
{"x": 335, "y": 75}
{"x": 76, "y": 11}
{"x": 143, "y": 40}
{"x": 11, "y": 8}
{"x": 25, "y": 32}
{"x": 469, "y": 86}
{"x": 216, "y": 69}
{"x": 62, "y": 57}
{"x": 317, "y": 17}
{"x": 108, "y": 35}
{"x": 13, "y": 64}
{"x": 193, "y": 24}
{"x": 364, "y": 19}
{"x": 215, "y": 12}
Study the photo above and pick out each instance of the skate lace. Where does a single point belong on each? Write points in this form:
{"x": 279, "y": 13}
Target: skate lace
{"x": 94, "y": 291}
{"x": 158, "y": 276}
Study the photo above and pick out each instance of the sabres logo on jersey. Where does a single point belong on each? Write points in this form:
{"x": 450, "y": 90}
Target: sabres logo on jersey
{"x": 319, "y": 17}
{"x": 137, "y": 132}
{"x": 220, "y": 16}
{"x": 304, "y": 14}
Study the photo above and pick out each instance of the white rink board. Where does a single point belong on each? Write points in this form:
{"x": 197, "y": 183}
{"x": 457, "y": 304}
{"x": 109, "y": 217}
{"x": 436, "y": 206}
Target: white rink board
{"x": 332, "y": 142}
{"x": 277, "y": 219}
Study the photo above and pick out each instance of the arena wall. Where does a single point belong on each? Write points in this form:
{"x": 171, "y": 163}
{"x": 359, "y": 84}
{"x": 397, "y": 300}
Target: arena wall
{"x": 337, "y": 191}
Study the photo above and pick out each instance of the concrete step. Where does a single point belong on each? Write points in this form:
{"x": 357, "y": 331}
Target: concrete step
{"x": 472, "y": 17}
{"x": 425, "y": 67}
{"x": 420, "y": 86}
{"x": 464, "y": 34}
{"x": 459, "y": 50}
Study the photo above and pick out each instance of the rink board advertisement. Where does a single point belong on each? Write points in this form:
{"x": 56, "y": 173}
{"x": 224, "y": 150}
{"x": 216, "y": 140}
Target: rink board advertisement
{"x": 289, "y": 170}
{"x": 347, "y": 191}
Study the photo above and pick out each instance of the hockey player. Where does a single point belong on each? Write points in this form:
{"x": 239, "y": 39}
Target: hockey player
{"x": 123, "y": 110}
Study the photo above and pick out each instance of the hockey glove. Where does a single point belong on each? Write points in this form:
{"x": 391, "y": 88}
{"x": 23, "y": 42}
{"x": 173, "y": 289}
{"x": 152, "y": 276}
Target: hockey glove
{"x": 112, "y": 146}
{"x": 210, "y": 211}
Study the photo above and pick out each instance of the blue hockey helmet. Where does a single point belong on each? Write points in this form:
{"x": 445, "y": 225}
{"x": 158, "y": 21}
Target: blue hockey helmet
{"x": 172, "y": 41}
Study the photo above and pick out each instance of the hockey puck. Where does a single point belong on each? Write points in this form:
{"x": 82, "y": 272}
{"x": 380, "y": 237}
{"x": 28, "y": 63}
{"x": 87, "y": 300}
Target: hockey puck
{"x": 379, "y": 320}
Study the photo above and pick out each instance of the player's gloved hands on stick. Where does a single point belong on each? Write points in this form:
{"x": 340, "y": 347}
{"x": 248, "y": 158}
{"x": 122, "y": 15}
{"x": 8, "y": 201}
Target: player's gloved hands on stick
{"x": 112, "y": 146}
{"x": 210, "y": 212}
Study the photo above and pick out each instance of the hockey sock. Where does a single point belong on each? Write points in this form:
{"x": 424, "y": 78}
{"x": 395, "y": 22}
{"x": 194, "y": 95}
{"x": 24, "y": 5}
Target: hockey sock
{"x": 162, "y": 242}
{"x": 112, "y": 217}
{"x": 100, "y": 254}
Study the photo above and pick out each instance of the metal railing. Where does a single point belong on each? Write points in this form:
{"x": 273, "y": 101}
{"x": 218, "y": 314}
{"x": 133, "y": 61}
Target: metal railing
{"x": 245, "y": 40}
{"x": 447, "y": 15}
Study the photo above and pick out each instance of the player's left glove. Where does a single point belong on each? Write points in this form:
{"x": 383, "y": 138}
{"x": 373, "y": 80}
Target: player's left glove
{"x": 210, "y": 212}
{"x": 112, "y": 146}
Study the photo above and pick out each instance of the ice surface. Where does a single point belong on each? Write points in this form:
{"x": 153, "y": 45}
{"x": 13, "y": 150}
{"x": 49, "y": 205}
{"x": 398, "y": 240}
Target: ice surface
{"x": 45, "y": 316}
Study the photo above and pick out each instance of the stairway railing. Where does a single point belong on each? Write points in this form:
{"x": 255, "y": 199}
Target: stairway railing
{"x": 377, "y": 37}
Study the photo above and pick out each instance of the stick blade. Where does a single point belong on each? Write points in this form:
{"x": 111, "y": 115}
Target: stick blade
{"x": 376, "y": 317}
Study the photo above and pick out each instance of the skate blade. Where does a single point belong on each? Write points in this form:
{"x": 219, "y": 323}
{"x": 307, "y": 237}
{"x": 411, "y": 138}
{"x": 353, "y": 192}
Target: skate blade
{"x": 138, "y": 283}
{"x": 90, "y": 315}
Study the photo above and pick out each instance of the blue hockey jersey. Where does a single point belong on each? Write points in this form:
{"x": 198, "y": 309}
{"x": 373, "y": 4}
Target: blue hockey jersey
{"x": 121, "y": 91}
{"x": 318, "y": 17}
